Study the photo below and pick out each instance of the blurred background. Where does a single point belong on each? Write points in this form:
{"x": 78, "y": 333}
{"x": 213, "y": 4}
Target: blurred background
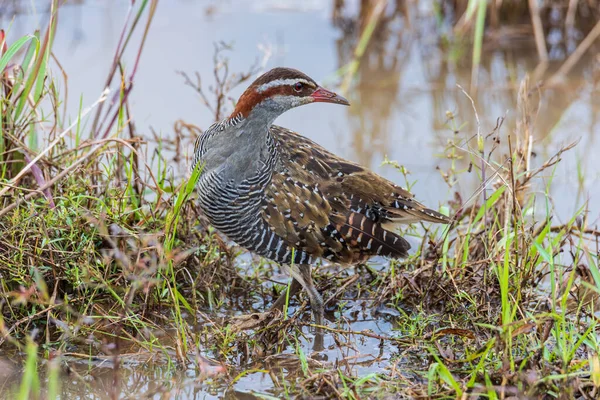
{"x": 401, "y": 76}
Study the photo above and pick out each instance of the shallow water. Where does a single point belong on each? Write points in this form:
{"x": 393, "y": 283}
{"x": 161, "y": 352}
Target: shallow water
{"x": 405, "y": 85}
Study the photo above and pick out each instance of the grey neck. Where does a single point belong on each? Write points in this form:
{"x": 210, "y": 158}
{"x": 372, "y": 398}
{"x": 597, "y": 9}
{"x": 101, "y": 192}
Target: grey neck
{"x": 260, "y": 119}
{"x": 239, "y": 147}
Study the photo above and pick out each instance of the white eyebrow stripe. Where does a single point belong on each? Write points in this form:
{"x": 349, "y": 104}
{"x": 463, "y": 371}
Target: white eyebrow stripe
{"x": 281, "y": 82}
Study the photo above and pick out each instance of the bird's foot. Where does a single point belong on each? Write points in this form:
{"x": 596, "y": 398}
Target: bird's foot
{"x": 255, "y": 320}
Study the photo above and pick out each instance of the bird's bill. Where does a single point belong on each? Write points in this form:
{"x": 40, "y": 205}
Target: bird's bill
{"x": 326, "y": 96}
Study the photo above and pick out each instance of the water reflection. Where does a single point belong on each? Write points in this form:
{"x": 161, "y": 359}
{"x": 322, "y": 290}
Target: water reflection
{"x": 407, "y": 74}
{"x": 145, "y": 374}
{"x": 379, "y": 76}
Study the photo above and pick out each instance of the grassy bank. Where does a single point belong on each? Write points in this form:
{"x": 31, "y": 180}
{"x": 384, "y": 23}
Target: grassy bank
{"x": 105, "y": 257}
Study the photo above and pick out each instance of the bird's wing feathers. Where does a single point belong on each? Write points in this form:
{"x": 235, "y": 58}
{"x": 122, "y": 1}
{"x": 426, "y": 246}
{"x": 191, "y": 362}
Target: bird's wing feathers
{"x": 331, "y": 207}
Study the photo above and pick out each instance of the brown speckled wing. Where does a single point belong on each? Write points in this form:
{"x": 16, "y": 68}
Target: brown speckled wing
{"x": 336, "y": 209}
{"x": 297, "y": 213}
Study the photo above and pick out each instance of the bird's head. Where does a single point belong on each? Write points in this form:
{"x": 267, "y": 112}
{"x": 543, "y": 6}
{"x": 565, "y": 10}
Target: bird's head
{"x": 282, "y": 89}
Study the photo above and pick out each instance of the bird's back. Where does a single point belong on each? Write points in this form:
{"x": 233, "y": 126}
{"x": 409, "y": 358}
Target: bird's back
{"x": 325, "y": 206}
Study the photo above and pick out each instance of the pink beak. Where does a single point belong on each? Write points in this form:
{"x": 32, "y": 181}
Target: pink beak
{"x": 325, "y": 96}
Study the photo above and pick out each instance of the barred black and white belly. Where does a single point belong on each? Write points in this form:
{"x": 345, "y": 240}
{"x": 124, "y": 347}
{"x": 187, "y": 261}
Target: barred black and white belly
{"x": 235, "y": 210}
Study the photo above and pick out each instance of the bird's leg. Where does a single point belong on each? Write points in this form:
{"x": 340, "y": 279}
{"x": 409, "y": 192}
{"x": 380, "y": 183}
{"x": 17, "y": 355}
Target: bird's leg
{"x": 295, "y": 286}
{"x": 300, "y": 278}
{"x": 254, "y": 320}
{"x": 301, "y": 273}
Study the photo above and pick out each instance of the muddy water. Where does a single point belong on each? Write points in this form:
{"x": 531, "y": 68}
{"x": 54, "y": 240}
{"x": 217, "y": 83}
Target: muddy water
{"x": 405, "y": 86}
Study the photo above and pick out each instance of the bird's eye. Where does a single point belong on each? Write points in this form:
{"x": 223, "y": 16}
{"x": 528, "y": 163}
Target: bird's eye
{"x": 298, "y": 86}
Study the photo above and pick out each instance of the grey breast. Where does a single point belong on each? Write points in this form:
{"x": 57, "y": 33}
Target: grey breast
{"x": 233, "y": 205}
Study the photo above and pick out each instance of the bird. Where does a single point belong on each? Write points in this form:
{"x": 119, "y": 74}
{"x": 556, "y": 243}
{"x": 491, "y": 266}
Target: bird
{"x": 288, "y": 199}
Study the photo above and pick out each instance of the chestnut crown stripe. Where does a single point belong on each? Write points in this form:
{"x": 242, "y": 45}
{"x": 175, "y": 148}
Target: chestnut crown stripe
{"x": 284, "y": 82}
{"x": 280, "y": 73}
{"x": 250, "y": 98}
